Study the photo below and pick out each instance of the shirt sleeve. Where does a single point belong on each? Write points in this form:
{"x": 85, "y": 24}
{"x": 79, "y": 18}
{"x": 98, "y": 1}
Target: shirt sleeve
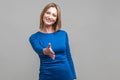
{"x": 69, "y": 57}
{"x": 36, "y": 45}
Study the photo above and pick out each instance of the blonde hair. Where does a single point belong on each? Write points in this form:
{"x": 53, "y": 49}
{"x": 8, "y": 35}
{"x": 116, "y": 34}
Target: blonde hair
{"x": 57, "y": 24}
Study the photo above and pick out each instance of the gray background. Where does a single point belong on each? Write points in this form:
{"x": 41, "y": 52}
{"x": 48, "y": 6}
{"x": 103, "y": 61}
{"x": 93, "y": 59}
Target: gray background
{"x": 93, "y": 27}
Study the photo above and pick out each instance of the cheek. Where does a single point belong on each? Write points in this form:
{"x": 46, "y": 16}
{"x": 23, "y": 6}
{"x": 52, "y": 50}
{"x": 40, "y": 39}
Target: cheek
{"x": 55, "y": 19}
{"x": 44, "y": 16}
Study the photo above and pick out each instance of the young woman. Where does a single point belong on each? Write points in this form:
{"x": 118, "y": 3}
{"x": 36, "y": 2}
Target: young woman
{"x": 52, "y": 46}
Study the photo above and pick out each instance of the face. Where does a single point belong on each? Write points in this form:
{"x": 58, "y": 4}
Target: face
{"x": 50, "y": 16}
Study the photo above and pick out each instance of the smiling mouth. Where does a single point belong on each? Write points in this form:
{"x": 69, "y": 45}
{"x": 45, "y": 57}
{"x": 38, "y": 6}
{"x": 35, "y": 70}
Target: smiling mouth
{"x": 48, "y": 20}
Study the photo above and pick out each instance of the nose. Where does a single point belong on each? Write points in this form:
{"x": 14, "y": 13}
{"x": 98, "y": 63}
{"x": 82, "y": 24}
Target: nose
{"x": 50, "y": 16}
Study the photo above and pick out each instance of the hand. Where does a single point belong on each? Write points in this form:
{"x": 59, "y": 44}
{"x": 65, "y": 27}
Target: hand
{"x": 49, "y": 51}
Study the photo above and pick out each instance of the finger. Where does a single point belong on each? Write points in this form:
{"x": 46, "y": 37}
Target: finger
{"x": 51, "y": 52}
{"x": 52, "y": 56}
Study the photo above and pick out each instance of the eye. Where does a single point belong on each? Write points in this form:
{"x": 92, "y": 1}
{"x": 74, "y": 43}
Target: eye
{"x": 47, "y": 12}
{"x": 54, "y": 15}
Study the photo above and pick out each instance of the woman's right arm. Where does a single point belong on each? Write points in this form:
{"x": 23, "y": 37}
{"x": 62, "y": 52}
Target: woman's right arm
{"x": 39, "y": 49}
{"x": 35, "y": 45}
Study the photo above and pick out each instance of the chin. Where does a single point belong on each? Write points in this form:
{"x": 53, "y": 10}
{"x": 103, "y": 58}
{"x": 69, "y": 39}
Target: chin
{"x": 49, "y": 24}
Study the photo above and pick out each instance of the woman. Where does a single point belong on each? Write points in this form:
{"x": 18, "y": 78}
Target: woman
{"x": 52, "y": 46}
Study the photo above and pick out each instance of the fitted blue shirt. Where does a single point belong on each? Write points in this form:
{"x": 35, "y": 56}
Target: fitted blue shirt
{"x": 62, "y": 67}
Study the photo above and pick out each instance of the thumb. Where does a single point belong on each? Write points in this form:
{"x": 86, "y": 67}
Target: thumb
{"x": 49, "y": 45}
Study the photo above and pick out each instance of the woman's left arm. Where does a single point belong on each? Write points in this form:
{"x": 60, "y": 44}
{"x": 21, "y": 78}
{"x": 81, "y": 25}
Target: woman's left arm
{"x": 69, "y": 57}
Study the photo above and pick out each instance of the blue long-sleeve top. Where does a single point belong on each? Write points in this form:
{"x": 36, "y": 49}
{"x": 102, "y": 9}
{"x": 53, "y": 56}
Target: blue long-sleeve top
{"x": 63, "y": 59}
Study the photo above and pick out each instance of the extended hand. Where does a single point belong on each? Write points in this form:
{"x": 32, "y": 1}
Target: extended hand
{"x": 49, "y": 51}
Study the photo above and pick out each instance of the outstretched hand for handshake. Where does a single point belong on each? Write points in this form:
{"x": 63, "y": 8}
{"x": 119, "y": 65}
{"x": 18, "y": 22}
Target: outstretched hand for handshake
{"x": 49, "y": 51}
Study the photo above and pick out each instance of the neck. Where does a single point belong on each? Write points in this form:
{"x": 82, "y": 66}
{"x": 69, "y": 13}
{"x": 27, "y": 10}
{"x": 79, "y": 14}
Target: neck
{"x": 47, "y": 29}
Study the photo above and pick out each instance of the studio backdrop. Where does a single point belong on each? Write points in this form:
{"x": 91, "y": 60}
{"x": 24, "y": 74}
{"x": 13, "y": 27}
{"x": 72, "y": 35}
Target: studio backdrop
{"x": 93, "y": 27}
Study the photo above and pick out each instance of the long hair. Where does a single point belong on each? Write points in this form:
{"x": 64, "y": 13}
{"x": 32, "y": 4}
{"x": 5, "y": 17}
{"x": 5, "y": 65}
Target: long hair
{"x": 57, "y": 24}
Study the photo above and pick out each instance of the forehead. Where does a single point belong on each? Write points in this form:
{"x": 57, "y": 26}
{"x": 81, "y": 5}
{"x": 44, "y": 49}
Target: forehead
{"x": 52, "y": 10}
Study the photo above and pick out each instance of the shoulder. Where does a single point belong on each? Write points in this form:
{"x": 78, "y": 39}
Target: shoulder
{"x": 34, "y": 35}
{"x": 63, "y": 32}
